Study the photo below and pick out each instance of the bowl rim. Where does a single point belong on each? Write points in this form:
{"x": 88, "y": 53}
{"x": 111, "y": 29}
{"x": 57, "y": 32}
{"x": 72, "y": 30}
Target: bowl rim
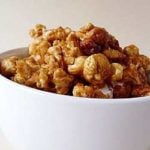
{"x": 70, "y": 98}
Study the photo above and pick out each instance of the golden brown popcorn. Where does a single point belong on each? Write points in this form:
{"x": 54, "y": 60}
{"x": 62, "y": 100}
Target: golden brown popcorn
{"x": 86, "y": 63}
{"x": 97, "y": 68}
{"x": 56, "y": 51}
{"x": 73, "y": 40}
{"x": 81, "y": 90}
{"x": 55, "y": 34}
{"x": 62, "y": 81}
{"x": 131, "y": 50}
{"x": 140, "y": 61}
{"x": 42, "y": 80}
{"x": 114, "y": 55}
{"x": 77, "y": 67}
{"x": 139, "y": 91}
{"x": 8, "y": 66}
{"x": 23, "y": 71}
{"x": 83, "y": 30}
{"x": 132, "y": 76}
{"x": 37, "y": 31}
{"x": 118, "y": 69}
{"x": 87, "y": 28}
{"x": 80, "y": 35}
{"x": 32, "y": 63}
{"x": 68, "y": 30}
{"x": 51, "y": 64}
{"x": 38, "y": 45}
{"x": 39, "y": 48}
{"x": 70, "y": 52}
{"x": 32, "y": 80}
{"x": 57, "y": 54}
{"x": 143, "y": 75}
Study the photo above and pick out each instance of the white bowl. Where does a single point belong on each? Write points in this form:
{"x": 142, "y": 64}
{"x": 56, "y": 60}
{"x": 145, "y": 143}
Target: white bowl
{"x": 36, "y": 120}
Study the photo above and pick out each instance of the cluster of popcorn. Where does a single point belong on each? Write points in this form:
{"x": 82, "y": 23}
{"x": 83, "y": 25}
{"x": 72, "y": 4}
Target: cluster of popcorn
{"x": 84, "y": 63}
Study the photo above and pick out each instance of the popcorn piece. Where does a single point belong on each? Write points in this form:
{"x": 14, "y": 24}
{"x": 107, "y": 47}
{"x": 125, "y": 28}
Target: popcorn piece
{"x": 117, "y": 76}
{"x": 23, "y": 72}
{"x": 97, "y": 68}
{"x": 62, "y": 81}
{"x": 139, "y": 91}
{"x": 37, "y": 31}
{"x": 87, "y": 28}
{"x": 42, "y": 80}
{"x": 8, "y": 66}
{"x": 140, "y": 61}
{"x": 32, "y": 63}
{"x": 131, "y": 50}
{"x": 55, "y": 34}
{"x": 81, "y": 90}
{"x": 56, "y": 51}
{"x": 51, "y": 64}
{"x": 70, "y": 52}
{"x": 73, "y": 40}
{"x": 39, "y": 48}
{"x": 77, "y": 67}
{"x": 32, "y": 80}
{"x": 131, "y": 75}
{"x": 114, "y": 55}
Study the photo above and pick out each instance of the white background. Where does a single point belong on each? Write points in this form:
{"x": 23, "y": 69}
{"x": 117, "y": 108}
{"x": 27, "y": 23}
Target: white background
{"x": 128, "y": 20}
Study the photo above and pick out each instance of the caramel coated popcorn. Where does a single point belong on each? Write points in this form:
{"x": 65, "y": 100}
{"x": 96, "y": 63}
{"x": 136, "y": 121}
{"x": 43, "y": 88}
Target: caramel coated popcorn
{"x": 84, "y": 63}
{"x": 97, "y": 69}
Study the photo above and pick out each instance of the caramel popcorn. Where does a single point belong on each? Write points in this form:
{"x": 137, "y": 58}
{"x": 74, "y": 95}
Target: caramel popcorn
{"x": 131, "y": 50}
{"x": 62, "y": 81}
{"x": 118, "y": 68}
{"x": 115, "y": 55}
{"x": 132, "y": 76}
{"x": 37, "y": 31}
{"x": 140, "y": 61}
{"x": 77, "y": 67}
{"x": 42, "y": 80}
{"x": 82, "y": 90}
{"x": 55, "y": 34}
{"x": 141, "y": 91}
{"x": 97, "y": 69}
{"x": 84, "y": 63}
{"x": 8, "y": 66}
{"x": 23, "y": 71}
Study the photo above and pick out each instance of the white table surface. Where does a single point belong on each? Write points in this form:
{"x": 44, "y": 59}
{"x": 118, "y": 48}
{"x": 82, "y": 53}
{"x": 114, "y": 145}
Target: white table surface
{"x": 128, "y": 20}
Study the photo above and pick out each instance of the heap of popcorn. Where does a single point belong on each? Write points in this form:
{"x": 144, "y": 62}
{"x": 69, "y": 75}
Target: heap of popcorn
{"x": 85, "y": 63}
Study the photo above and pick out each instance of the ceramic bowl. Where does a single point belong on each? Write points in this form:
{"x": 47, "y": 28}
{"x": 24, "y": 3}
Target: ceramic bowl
{"x": 36, "y": 120}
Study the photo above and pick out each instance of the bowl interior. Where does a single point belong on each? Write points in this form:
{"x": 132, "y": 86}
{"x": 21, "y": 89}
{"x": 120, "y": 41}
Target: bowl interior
{"x": 21, "y": 52}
